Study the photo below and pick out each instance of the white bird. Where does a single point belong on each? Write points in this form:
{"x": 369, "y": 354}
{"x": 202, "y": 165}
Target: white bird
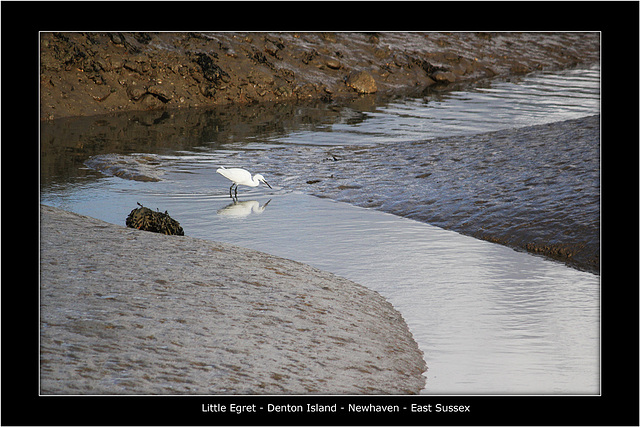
{"x": 241, "y": 177}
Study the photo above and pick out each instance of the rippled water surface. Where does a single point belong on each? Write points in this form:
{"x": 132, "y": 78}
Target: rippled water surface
{"x": 489, "y": 106}
{"x": 515, "y": 162}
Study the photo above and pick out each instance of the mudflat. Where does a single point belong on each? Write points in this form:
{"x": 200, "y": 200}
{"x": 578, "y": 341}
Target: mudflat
{"x": 125, "y": 311}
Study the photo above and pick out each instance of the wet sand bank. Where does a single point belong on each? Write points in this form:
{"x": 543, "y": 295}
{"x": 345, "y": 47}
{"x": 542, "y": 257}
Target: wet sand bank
{"x": 131, "y": 312}
{"x": 535, "y": 188}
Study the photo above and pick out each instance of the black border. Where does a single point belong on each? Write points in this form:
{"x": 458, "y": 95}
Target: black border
{"x": 618, "y": 23}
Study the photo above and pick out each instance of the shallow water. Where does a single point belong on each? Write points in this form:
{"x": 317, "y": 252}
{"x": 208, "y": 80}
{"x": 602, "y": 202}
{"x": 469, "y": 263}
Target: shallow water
{"x": 485, "y": 107}
{"x": 489, "y": 319}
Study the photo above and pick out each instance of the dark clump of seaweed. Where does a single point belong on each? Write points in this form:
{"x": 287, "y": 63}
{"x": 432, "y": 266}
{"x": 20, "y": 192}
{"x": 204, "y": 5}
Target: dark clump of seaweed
{"x": 157, "y": 222}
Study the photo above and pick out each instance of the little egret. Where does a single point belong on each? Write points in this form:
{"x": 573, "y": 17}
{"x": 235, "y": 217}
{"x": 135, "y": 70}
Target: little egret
{"x": 241, "y": 177}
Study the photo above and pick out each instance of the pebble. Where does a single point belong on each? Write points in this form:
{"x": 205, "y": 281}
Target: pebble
{"x": 333, "y": 64}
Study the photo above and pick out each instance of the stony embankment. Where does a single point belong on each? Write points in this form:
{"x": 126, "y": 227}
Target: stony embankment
{"x": 85, "y": 74}
{"x": 125, "y": 311}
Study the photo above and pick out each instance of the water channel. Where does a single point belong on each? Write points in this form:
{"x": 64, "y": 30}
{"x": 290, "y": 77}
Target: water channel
{"x": 404, "y": 196}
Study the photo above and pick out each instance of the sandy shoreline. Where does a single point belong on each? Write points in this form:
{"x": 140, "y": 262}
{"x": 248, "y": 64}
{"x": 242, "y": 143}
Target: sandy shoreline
{"x": 131, "y": 312}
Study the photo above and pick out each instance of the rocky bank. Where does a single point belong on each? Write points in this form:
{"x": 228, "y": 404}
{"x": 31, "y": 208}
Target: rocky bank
{"x": 85, "y": 74}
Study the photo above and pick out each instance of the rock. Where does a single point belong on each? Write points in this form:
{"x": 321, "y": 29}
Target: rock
{"x": 208, "y": 90}
{"x": 137, "y": 63}
{"x": 362, "y": 82}
{"x": 210, "y": 70}
{"x": 444, "y": 77}
{"x": 135, "y": 92}
{"x": 334, "y": 64}
{"x": 308, "y": 56}
{"x": 117, "y": 38}
{"x": 328, "y": 37}
{"x": 160, "y": 92}
{"x": 272, "y": 50}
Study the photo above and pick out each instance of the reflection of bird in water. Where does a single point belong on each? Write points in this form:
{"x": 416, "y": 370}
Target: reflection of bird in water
{"x": 241, "y": 177}
{"x": 242, "y": 209}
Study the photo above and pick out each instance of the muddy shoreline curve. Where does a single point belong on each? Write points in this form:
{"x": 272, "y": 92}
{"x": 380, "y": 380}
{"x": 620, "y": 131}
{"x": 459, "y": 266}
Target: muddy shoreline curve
{"x": 125, "y": 311}
{"x": 84, "y": 74}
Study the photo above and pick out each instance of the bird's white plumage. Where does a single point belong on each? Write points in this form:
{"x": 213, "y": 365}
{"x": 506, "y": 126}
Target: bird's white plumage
{"x": 238, "y": 176}
{"x": 241, "y": 176}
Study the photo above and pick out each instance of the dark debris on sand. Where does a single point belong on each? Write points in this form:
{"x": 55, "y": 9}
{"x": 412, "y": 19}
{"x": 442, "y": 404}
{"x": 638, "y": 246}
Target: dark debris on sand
{"x": 157, "y": 222}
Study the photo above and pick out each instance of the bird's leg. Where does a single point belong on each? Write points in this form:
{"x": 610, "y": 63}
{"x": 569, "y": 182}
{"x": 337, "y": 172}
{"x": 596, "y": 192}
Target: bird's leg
{"x": 236, "y": 192}
{"x": 230, "y": 188}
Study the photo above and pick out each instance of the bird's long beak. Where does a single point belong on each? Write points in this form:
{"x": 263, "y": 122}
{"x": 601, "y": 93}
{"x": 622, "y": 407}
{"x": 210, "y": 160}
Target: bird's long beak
{"x": 265, "y": 181}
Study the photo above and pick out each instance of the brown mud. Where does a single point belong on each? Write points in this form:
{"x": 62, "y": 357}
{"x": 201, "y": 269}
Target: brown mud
{"x": 83, "y": 74}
